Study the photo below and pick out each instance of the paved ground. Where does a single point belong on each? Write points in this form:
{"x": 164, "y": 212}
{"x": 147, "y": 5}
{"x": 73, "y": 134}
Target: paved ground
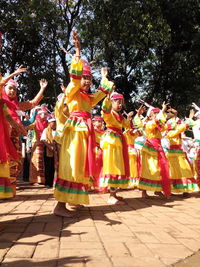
{"x": 142, "y": 233}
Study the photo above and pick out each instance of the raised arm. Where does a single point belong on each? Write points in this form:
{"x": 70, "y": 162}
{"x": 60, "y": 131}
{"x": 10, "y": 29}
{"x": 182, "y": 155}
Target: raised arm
{"x": 35, "y": 101}
{"x": 105, "y": 88}
{"x": 4, "y": 80}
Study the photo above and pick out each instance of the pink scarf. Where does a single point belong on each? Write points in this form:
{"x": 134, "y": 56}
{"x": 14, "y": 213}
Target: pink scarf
{"x": 40, "y": 125}
{"x": 6, "y": 146}
{"x": 13, "y": 106}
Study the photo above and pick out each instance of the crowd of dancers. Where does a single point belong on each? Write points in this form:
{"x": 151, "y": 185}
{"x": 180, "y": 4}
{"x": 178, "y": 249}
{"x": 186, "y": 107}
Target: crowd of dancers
{"x": 73, "y": 152}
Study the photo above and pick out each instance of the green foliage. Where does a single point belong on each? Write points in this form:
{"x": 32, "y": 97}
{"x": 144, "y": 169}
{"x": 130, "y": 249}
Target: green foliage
{"x": 150, "y": 46}
{"x": 33, "y": 33}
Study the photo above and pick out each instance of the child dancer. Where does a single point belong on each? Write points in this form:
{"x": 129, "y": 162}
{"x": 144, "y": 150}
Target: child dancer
{"x": 181, "y": 173}
{"x": 154, "y": 165}
{"x": 9, "y": 96}
{"x": 77, "y": 157}
{"x": 36, "y": 173}
{"x": 133, "y": 152}
{"x": 7, "y": 149}
{"x": 115, "y": 173}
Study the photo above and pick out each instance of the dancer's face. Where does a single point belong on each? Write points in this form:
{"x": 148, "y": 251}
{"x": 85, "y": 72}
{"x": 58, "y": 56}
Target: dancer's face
{"x": 53, "y": 125}
{"x": 11, "y": 91}
{"x": 43, "y": 115}
{"x": 98, "y": 125}
{"x": 117, "y": 104}
{"x": 86, "y": 82}
{"x": 153, "y": 115}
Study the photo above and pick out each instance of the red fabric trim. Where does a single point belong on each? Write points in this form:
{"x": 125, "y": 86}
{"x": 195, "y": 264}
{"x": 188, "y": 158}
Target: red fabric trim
{"x": 74, "y": 76}
{"x": 4, "y": 181}
{"x": 72, "y": 185}
{"x": 117, "y": 96}
{"x": 119, "y": 117}
{"x": 148, "y": 181}
{"x": 114, "y": 177}
{"x": 90, "y": 160}
{"x": 103, "y": 90}
{"x": 184, "y": 181}
{"x": 164, "y": 168}
{"x": 97, "y": 118}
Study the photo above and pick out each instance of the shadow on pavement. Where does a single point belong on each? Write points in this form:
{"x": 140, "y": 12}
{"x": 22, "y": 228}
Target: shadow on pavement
{"x": 46, "y": 263}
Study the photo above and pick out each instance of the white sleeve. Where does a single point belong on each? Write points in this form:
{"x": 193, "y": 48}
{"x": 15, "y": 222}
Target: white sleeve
{"x": 44, "y": 135}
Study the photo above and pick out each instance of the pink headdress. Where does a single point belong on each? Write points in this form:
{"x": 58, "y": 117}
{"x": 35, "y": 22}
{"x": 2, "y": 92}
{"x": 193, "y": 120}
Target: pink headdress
{"x": 12, "y": 104}
{"x": 97, "y": 118}
{"x": 43, "y": 109}
{"x": 86, "y": 68}
{"x": 155, "y": 110}
{"x": 115, "y": 95}
{"x": 13, "y": 83}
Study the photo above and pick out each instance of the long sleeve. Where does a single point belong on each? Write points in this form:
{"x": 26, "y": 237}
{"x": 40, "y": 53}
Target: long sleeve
{"x": 31, "y": 120}
{"x": 76, "y": 69}
{"x": 104, "y": 89}
{"x": 179, "y": 129}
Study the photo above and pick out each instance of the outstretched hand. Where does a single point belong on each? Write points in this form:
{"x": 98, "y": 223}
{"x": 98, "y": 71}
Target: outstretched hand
{"x": 129, "y": 115}
{"x": 76, "y": 42}
{"x": 141, "y": 110}
{"x": 62, "y": 87}
{"x": 20, "y": 70}
{"x": 104, "y": 72}
{"x": 43, "y": 84}
{"x": 192, "y": 112}
{"x": 164, "y": 106}
{"x": 172, "y": 110}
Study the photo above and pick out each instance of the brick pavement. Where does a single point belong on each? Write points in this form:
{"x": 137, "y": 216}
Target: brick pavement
{"x": 142, "y": 233}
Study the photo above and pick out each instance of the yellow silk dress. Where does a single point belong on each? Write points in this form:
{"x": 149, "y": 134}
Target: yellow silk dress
{"x": 113, "y": 173}
{"x": 61, "y": 118}
{"x": 72, "y": 182}
{"x": 181, "y": 173}
{"x": 150, "y": 178}
{"x": 134, "y": 153}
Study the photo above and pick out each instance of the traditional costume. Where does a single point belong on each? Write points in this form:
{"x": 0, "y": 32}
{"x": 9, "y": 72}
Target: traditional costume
{"x": 7, "y": 152}
{"x": 154, "y": 165}
{"x": 180, "y": 170}
{"x": 36, "y": 173}
{"x": 134, "y": 153}
{"x": 77, "y": 152}
{"x": 116, "y": 172}
{"x": 15, "y": 108}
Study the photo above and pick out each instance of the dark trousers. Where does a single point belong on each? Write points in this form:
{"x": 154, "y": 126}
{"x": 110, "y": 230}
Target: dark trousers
{"x": 49, "y": 170}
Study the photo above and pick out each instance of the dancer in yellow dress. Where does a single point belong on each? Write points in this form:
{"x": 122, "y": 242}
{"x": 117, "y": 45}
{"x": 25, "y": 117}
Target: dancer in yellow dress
{"x": 180, "y": 171}
{"x": 134, "y": 153}
{"x": 154, "y": 165}
{"x": 77, "y": 152}
{"x": 116, "y": 169}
